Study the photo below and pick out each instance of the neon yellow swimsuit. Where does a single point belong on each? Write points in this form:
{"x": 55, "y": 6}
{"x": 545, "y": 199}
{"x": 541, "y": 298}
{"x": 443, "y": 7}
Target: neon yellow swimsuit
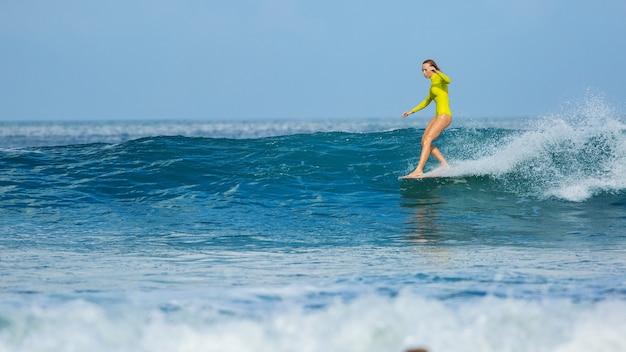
{"x": 439, "y": 93}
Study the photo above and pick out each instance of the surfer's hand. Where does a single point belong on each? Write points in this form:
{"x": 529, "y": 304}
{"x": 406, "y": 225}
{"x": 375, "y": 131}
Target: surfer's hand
{"x": 406, "y": 113}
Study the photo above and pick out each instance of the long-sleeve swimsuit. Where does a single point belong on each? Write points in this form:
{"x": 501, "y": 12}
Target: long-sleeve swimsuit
{"x": 439, "y": 93}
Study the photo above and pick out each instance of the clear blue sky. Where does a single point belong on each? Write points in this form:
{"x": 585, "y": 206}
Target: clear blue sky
{"x": 246, "y": 59}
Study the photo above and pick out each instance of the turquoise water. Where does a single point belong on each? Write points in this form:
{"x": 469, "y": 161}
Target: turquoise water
{"x": 292, "y": 235}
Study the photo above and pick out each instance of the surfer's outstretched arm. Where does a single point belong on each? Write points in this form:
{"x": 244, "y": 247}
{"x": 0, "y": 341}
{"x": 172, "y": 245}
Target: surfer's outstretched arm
{"x": 419, "y": 106}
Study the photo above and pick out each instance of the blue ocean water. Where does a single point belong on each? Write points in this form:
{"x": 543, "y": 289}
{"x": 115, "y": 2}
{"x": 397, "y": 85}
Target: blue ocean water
{"x": 298, "y": 235}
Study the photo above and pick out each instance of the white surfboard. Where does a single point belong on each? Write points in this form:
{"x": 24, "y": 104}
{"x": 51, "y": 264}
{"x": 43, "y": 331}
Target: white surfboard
{"x": 436, "y": 173}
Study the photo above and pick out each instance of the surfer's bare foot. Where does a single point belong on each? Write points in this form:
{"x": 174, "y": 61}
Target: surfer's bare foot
{"x": 414, "y": 174}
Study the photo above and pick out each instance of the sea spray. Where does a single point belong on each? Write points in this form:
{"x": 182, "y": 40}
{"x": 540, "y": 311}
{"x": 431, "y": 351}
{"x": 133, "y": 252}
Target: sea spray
{"x": 571, "y": 155}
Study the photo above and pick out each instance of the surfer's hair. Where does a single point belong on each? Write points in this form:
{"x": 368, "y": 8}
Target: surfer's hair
{"x": 432, "y": 63}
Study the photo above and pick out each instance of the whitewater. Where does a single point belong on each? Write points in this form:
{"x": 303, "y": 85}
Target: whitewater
{"x": 283, "y": 235}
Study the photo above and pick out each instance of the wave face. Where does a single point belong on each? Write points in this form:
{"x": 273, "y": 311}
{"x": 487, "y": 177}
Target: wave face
{"x": 272, "y": 236}
{"x": 568, "y": 160}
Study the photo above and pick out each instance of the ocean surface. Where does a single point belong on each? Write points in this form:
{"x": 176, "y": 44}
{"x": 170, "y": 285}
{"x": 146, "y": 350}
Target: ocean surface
{"x": 297, "y": 235}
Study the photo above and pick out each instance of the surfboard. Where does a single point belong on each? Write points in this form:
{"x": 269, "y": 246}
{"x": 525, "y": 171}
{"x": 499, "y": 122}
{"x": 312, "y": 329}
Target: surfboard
{"x": 420, "y": 177}
{"x": 430, "y": 174}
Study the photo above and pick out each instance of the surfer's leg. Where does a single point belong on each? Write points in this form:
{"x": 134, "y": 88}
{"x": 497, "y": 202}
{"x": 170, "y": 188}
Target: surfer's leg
{"x": 434, "y": 151}
{"x": 432, "y": 131}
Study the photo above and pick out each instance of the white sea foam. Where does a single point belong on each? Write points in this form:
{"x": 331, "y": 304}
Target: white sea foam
{"x": 572, "y": 155}
{"x": 369, "y": 323}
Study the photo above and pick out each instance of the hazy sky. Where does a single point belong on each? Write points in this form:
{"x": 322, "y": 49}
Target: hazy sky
{"x": 246, "y": 59}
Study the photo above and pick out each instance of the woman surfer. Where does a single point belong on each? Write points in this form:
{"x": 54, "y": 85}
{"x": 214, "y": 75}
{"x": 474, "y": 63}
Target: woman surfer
{"x": 439, "y": 93}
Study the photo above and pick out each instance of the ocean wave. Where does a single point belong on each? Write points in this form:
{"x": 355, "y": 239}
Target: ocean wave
{"x": 571, "y": 157}
{"x": 573, "y": 165}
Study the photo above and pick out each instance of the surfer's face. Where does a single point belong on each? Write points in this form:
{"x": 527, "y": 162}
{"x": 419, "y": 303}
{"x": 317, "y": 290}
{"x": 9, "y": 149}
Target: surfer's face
{"x": 427, "y": 70}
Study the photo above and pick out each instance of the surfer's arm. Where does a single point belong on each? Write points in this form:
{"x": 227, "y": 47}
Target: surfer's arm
{"x": 419, "y": 107}
{"x": 423, "y": 104}
{"x": 443, "y": 77}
